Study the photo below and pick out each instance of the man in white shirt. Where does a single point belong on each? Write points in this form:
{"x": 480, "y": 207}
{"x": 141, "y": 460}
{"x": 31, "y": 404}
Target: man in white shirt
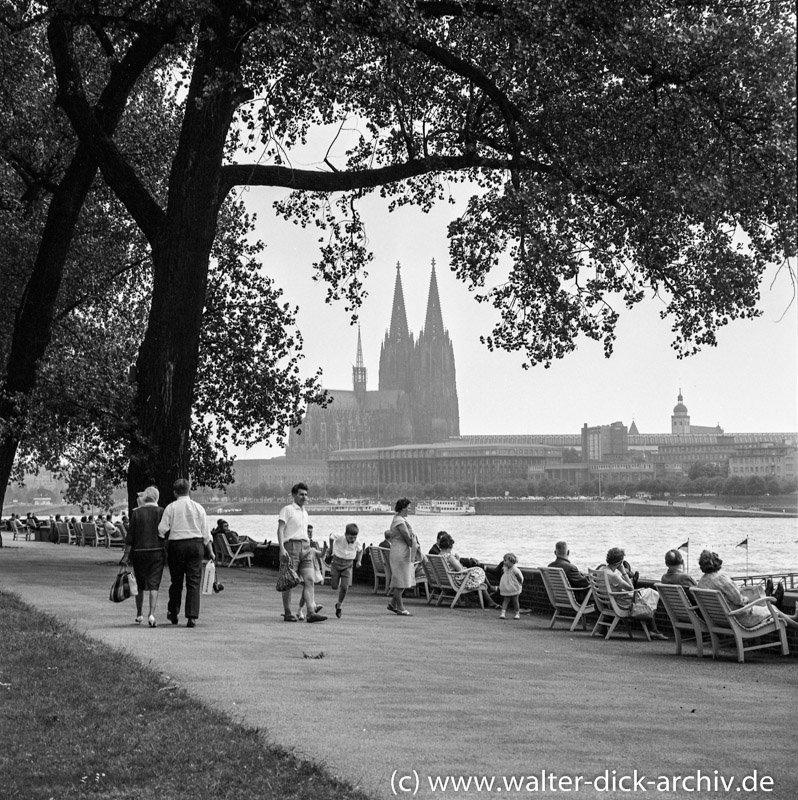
{"x": 189, "y": 540}
{"x": 294, "y": 545}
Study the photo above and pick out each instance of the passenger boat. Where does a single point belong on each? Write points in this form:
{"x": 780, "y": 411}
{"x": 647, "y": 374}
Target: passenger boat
{"x": 347, "y": 506}
{"x": 450, "y": 508}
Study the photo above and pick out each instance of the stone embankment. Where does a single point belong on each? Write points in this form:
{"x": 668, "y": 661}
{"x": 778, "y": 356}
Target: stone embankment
{"x": 618, "y": 508}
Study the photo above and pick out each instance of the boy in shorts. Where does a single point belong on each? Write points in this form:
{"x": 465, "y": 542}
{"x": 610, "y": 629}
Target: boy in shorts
{"x": 347, "y": 554}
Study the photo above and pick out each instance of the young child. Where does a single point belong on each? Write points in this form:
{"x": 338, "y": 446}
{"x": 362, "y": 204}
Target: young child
{"x": 318, "y": 564}
{"x": 347, "y": 555}
{"x": 510, "y": 585}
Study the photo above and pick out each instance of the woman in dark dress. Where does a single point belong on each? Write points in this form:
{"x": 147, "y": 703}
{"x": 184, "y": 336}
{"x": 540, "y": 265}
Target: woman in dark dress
{"x": 145, "y": 550}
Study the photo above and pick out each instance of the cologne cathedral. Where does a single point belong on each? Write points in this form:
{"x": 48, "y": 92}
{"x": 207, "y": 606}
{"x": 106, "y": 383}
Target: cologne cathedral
{"x": 415, "y": 402}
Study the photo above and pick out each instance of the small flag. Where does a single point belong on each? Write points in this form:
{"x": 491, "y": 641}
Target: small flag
{"x": 744, "y": 543}
{"x": 685, "y": 546}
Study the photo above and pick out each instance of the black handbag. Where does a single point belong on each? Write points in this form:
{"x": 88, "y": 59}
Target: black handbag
{"x": 124, "y": 586}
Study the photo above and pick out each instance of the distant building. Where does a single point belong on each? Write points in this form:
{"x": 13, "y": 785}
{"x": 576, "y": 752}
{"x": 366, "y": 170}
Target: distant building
{"x": 443, "y": 462}
{"x": 605, "y": 442}
{"x": 766, "y": 460}
{"x": 254, "y": 472}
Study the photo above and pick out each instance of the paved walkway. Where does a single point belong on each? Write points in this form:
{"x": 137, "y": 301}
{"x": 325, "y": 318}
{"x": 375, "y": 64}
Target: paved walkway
{"x": 445, "y": 692}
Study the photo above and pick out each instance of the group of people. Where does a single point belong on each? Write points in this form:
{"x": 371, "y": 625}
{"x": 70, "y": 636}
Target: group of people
{"x": 345, "y": 554}
{"x": 621, "y": 579}
{"x": 178, "y": 535}
{"x": 181, "y": 536}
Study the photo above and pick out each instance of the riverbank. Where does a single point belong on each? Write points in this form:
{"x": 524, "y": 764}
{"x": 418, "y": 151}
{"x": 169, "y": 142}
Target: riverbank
{"x": 622, "y": 508}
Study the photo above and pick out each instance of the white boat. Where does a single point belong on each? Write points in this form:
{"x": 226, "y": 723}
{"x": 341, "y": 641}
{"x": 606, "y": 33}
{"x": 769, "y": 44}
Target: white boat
{"x": 347, "y": 506}
{"x": 450, "y": 508}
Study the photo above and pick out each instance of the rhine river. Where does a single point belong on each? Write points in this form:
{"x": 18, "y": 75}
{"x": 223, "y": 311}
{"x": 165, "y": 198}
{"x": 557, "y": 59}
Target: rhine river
{"x": 772, "y": 543}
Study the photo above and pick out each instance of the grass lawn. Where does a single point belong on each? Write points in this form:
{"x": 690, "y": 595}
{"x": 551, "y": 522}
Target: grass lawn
{"x": 79, "y": 719}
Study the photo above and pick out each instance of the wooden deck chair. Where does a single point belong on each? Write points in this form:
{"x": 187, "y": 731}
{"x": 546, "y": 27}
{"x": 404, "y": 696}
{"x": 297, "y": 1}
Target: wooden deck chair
{"x": 65, "y": 534}
{"x": 102, "y": 535}
{"x": 20, "y": 530}
{"x": 446, "y": 580}
{"x": 117, "y": 539}
{"x": 434, "y": 588}
{"x": 722, "y": 621}
{"x": 608, "y": 604}
{"x": 231, "y": 553}
{"x": 421, "y": 578}
{"x": 381, "y": 568}
{"x": 77, "y": 528}
{"x": 89, "y": 532}
{"x": 683, "y": 615}
{"x": 563, "y": 598}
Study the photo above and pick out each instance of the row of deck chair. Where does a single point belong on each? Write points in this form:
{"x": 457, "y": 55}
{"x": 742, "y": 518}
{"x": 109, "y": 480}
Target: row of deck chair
{"x": 89, "y": 534}
{"x": 709, "y": 615}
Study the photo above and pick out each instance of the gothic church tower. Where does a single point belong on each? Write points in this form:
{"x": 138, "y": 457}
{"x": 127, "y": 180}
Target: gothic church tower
{"x": 436, "y": 412}
{"x": 396, "y": 353}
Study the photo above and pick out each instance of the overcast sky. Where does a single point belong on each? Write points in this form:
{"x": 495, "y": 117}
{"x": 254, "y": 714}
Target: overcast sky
{"x": 748, "y": 383}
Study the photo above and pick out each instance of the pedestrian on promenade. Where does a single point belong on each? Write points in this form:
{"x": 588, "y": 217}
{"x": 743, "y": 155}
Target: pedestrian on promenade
{"x": 510, "y": 585}
{"x": 294, "y": 547}
{"x": 144, "y": 549}
{"x": 404, "y": 546}
{"x": 189, "y": 538}
{"x": 347, "y": 555}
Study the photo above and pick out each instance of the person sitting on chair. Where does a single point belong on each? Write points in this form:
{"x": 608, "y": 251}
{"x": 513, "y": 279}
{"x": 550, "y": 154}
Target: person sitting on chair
{"x": 576, "y": 579}
{"x": 223, "y": 529}
{"x": 466, "y": 577}
{"x": 710, "y": 563}
{"x": 621, "y": 579}
{"x": 676, "y": 574}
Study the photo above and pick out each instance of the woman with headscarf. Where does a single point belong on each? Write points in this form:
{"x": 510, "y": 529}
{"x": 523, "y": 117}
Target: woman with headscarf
{"x": 145, "y": 550}
{"x": 404, "y": 546}
{"x": 621, "y": 579}
{"x": 710, "y": 563}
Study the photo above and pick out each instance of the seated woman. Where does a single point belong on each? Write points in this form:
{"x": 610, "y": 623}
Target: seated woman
{"x": 710, "y": 564}
{"x": 466, "y": 577}
{"x": 621, "y": 579}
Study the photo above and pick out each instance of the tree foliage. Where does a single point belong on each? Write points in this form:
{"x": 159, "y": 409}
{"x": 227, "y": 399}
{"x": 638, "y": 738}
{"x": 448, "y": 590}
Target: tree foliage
{"x": 618, "y": 151}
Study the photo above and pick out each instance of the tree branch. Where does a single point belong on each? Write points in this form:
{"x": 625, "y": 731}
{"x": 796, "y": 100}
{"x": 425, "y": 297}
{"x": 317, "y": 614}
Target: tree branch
{"x": 344, "y": 181}
{"x": 91, "y": 127}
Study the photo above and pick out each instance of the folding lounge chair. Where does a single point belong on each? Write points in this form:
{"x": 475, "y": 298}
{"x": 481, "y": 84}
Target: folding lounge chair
{"x": 722, "y": 621}
{"x": 449, "y": 588}
{"x": 611, "y": 610}
{"x": 231, "y": 553}
{"x": 378, "y": 557}
{"x": 684, "y": 616}
{"x": 562, "y": 596}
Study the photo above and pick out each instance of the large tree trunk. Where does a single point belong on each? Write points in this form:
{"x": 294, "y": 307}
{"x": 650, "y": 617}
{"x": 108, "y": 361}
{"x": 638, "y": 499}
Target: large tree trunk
{"x": 166, "y": 368}
{"x": 33, "y": 322}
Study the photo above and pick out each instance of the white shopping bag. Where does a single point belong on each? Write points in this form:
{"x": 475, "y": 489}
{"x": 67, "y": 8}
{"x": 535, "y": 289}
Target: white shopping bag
{"x": 208, "y": 578}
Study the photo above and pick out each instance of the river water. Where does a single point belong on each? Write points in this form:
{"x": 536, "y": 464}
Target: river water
{"x": 772, "y": 543}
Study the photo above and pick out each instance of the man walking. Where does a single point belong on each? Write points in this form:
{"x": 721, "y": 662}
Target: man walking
{"x": 189, "y": 540}
{"x": 294, "y": 544}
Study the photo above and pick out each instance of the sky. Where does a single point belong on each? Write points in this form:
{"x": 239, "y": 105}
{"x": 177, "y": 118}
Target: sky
{"x": 748, "y": 383}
